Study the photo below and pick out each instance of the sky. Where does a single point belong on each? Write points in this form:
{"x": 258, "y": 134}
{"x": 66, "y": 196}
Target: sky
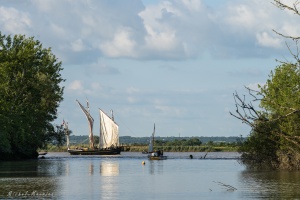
{"x": 173, "y": 63}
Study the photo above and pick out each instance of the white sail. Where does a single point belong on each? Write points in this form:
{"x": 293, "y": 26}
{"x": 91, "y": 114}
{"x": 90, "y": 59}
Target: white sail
{"x": 109, "y": 131}
{"x": 150, "y": 148}
{"x": 67, "y": 133}
{"x": 151, "y": 144}
{"x": 91, "y": 123}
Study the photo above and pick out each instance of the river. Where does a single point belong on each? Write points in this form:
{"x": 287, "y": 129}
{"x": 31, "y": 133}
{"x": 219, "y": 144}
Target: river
{"x": 218, "y": 176}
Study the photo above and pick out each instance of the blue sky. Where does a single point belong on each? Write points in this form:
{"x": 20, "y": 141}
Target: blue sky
{"x": 172, "y": 63}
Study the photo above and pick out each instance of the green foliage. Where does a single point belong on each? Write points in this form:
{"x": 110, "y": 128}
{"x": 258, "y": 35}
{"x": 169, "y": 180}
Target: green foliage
{"x": 29, "y": 95}
{"x": 282, "y": 97}
{"x": 184, "y": 142}
{"x": 274, "y": 141}
{"x": 96, "y": 140}
{"x": 259, "y": 150}
{"x": 281, "y": 92}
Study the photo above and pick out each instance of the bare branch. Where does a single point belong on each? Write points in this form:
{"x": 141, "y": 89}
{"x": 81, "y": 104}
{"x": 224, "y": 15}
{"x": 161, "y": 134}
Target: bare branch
{"x": 283, "y": 6}
{"x": 286, "y": 36}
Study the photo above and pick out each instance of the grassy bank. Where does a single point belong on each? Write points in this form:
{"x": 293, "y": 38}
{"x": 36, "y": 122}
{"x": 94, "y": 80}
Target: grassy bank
{"x": 201, "y": 148}
{"x": 131, "y": 148}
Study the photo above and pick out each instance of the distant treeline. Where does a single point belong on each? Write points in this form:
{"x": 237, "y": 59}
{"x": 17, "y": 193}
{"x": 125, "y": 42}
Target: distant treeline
{"x": 168, "y": 144}
{"x": 169, "y": 141}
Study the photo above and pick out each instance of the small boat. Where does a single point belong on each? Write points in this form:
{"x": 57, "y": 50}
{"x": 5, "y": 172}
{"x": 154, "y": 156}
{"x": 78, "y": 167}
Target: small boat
{"x": 158, "y": 155}
{"x": 155, "y": 155}
{"x": 42, "y": 153}
{"x": 109, "y": 136}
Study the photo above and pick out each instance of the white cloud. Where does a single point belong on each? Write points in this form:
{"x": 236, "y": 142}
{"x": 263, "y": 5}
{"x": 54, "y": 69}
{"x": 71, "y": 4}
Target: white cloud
{"x": 96, "y": 86}
{"x": 78, "y": 45}
{"x": 166, "y": 30}
{"x": 132, "y": 90}
{"x": 14, "y": 21}
{"x": 161, "y": 41}
{"x": 168, "y": 110}
{"x": 193, "y": 5}
{"x": 265, "y": 39}
{"x": 132, "y": 100}
{"x": 45, "y": 5}
{"x": 290, "y": 28}
{"x": 241, "y": 16}
{"x": 122, "y": 45}
{"x": 76, "y": 85}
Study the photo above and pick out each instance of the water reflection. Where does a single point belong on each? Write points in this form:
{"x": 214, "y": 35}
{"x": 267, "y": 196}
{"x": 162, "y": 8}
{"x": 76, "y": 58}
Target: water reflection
{"x": 271, "y": 184}
{"x": 91, "y": 169}
{"x": 19, "y": 169}
{"x": 97, "y": 177}
{"x": 67, "y": 168}
{"x": 156, "y": 167}
{"x": 109, "y": 168}
{"x": 109, "y": 171}
{"x": 34, "y": 178}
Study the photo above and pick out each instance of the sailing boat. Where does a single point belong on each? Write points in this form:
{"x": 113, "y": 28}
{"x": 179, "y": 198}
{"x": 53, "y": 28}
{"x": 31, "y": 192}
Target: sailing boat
{"x": 155, "y": 155}
{"x": 109, "y": 135}
{"x": 67, "y": 132}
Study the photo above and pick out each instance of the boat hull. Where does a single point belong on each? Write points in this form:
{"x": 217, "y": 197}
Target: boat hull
{"x": 95, "y": 152}
{"x": 157, "y": 157}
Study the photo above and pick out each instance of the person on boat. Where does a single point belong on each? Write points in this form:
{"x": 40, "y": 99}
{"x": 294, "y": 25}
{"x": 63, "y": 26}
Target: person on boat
{"x": 158, "y": 152}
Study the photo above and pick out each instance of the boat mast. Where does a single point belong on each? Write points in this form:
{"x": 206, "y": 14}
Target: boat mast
{"x": 100, "y": 129}
{"x": 153, "y": 135}
{"x": 90, "y": 120}
{"x": 112, "y": 115}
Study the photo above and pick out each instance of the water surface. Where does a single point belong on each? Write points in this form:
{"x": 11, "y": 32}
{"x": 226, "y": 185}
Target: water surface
{"x": 219, "y": 175}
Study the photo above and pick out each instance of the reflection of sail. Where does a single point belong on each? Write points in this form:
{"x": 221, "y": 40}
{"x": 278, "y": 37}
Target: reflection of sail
{"x": 109, "y": 185}
{"x": 67, "y": 168}
{"x": 156, "y": 167}
{"x": 109, "y": 169}
{"x": 91, "y": 169}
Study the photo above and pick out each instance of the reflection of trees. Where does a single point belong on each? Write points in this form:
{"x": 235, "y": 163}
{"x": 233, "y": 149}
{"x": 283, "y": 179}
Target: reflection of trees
{"x": 270, "y": 184}
{"x": 28, "y": 177}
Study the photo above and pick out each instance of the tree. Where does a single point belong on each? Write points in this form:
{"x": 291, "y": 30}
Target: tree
{"x": 30, "y": 94}
{"x": 274, "y": 141}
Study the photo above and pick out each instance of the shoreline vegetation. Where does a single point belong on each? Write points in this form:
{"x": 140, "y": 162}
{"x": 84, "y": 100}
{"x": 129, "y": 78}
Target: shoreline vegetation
{"x": 144, "y": 148}
{"x": 166, "y": 144}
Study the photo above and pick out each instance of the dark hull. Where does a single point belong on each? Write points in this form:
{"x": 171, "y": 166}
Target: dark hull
{"x": 157, "y": 157}
{"x": 95, "y": 152}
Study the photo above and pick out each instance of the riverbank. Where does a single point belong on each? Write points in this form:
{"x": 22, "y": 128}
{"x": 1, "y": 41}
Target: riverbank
{"x": 132, "y": 148}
